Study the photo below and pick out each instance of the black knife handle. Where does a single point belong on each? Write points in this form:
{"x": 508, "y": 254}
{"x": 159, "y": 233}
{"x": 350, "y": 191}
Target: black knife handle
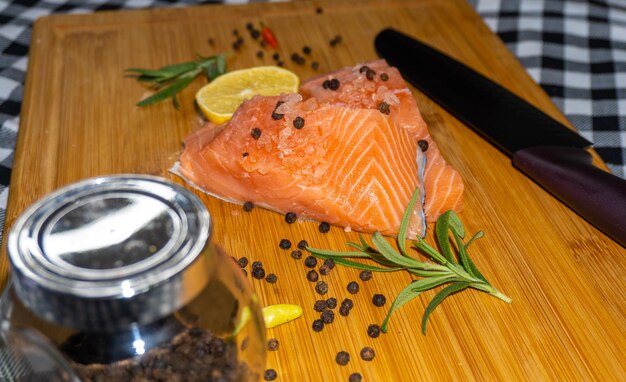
{"x": 568, "y": 174}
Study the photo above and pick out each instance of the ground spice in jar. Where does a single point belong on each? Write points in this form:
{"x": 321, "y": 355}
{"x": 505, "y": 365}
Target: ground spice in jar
{"x": 379, "y": 300}
{"x": 194, "y": 350}
{"x": 367, "y": 353}
{"x": 321, "y": 287}
{"x": 373, "y": 331}
{"x": 312, "y": 276}
{"x": 342, "y": 358}
{"x": 365, "y": 275}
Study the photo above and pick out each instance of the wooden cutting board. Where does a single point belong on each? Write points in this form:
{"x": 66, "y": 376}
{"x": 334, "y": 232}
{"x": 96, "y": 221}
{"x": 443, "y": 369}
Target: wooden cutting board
{"x": 568, "y": 316}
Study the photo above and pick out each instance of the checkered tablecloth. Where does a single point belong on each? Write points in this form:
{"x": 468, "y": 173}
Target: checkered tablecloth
{"x": 575, "y": 49}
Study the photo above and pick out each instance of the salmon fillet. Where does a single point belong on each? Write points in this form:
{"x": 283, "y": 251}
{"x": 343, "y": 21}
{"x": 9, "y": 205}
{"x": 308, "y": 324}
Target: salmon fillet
{"x": 349, "y": 167}
{"x": 443, "y": 184}
{"x": 350, "y": 164}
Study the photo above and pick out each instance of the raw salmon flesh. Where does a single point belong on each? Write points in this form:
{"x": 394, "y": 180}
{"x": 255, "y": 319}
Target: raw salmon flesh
{"x": 354, "y": 162}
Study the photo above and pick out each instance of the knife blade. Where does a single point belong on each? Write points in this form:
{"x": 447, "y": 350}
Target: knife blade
{"x": 541, "y": 147}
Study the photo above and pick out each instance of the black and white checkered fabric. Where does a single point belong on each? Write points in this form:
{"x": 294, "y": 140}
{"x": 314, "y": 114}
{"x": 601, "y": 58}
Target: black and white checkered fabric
{"x": 575, "y": 49}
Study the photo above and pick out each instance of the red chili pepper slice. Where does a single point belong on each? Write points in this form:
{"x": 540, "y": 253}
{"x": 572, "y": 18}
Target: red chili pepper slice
{"x": 268, "y": 36}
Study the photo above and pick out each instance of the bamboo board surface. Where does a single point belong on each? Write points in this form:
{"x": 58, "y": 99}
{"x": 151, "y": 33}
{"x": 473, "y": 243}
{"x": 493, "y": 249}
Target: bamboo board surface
{"x": 568, "y": 316}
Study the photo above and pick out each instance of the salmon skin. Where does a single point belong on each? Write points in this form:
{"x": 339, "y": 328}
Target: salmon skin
{"x": 353, "y": 162}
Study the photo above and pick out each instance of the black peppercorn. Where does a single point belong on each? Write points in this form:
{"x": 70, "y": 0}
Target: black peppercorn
{"x": 369, "y": 74}
{"x": 296, "y": 254}
{"x": 290, "y": 217}
{"x": 271, "y": 278}
{"x": 270, "y": 375}
{"x": 324, "y": 270}
{"x": 319, "y": 10}
{"x": 315, "y": 65}
{"x": 321, "y": 287}
{"x": 367, "y": 353}
{"x": 334, "y": 84}
{"x": 259, "y": 54}
{"x": 326, "y": 84}
{"x": 373, "y": 330}
{"x": 318, "y": 325}
{"x": 302, "y": 244}
{"x": 347, "y": 303}
{"x": 276, "y": 56}
{"x": 364, "y": 69}
{"x": 257, "y": 264}
{"x": 312, "y": 276}
{"x": 379, "y": 300}
{"x": 248, "y": 206}
{"x": 284, "y": 244}
{"x": 243, "y": 262}
{"x": 353, "y": 287}
{"x": 258, "y": 273}
{"x": 276, "y": 116}
{"x": 320, "y": 305}
{"x": 245, "y": 154}
{"x": 384, "y": 108}
{"x": 365, "y": 275}
{"x": 384, "y": 77}
{"x": 272, "y": 344}
{"x": 310, "y": 262}
{"x": 332, "y": 303}
{"x": 328, "y": 316}
{"x": 330, "y": 263}
{"x": 342, "y": 358}
{"x": 255, "y": 34}
{"x": 355, "y": 377}
{"x": 298, "y": 122}
{"x": 344, "y": 310}
{"x": 423, "y": 145}
{"x": 256, "y": 133}
{"x": 324, "y": 227}
{"x": 306, "y": 50}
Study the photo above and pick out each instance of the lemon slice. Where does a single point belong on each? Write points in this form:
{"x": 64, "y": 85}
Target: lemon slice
{"x": 220, "y": 98}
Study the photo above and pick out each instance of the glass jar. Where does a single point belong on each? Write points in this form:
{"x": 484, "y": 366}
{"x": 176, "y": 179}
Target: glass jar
{"x": 120, "y": 275}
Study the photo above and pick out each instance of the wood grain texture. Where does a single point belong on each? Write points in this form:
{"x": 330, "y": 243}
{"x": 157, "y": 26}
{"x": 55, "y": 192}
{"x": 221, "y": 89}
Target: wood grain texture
{"x": 568, "y": 316}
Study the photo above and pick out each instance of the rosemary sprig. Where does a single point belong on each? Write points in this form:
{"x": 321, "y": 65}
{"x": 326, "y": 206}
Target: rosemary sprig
{"x": 169, "y": 80}
{"x": 446, "y": 269}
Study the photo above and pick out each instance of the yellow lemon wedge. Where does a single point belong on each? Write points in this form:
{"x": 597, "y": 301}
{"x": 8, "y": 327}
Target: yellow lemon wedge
{"x": 219, "y": 99}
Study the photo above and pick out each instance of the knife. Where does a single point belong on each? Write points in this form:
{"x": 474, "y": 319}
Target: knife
{"x": 541, "y": 147}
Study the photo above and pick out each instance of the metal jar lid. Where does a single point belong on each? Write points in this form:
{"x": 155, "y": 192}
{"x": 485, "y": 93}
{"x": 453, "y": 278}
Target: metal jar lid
{"x": 106, "y": 252}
